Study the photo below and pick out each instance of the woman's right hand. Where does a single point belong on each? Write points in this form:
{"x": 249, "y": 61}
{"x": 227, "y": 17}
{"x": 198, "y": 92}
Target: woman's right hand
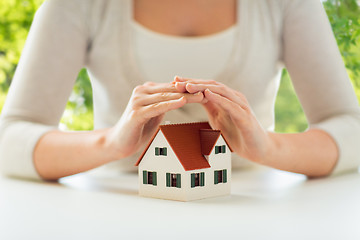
{"x": 146, "y": 108}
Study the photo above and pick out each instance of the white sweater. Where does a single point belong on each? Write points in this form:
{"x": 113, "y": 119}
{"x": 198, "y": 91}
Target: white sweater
{"x": 67, "y": 35}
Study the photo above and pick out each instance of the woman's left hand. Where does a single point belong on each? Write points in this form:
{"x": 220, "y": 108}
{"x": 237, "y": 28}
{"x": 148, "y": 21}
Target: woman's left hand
{"x": 229, "y": 111}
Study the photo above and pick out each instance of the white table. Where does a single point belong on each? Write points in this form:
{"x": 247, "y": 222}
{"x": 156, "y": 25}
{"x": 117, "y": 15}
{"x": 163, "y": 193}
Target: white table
{"x": 264, "y": 204}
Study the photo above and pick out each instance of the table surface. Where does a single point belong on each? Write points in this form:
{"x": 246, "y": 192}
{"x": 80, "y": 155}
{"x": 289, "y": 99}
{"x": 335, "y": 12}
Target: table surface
{"x": 264, "y": 204}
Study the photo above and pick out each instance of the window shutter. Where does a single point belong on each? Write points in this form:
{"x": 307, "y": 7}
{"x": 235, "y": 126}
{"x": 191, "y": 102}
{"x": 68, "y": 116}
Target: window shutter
{"x": 202, "y": 179}
{"x": 223, "y": 149}
{"x": 157, "y": 151}
{"x": 154, "y": 179}
{"x": 217, "y": 149}
{"x": 144, "y": 177}
{"x": 216, "y": 177}
{"x": 168, "y": 179}
{"x": 165, "y": 151}
{"x": 193, "y": 180}
{"x": 178, "y": 180}
{"x": 224, "y": 175}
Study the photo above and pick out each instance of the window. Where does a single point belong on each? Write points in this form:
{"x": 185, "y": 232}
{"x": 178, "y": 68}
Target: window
{"x": 160, "y": 151}
{"x": 197, "y": 179}
{"x": 220, "y": 176}
{"x": 149, "y": 178}
{"x": 173, "y": 180}
{"x": 220, "y": 149}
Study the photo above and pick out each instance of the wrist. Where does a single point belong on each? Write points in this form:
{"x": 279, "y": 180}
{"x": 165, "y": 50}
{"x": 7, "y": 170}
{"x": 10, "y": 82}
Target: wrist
{"x": 272, "y": 146}
{"x": 106, "y": 146}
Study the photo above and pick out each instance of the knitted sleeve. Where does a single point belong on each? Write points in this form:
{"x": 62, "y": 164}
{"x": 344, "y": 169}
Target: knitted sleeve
{"x": 319, "y": 77}
{"x": 54, "y": 53}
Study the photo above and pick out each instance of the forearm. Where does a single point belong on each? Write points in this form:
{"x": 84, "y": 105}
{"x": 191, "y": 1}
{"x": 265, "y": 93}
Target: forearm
{"x": 59, "y": 154}
{"x": 313, "y": 153}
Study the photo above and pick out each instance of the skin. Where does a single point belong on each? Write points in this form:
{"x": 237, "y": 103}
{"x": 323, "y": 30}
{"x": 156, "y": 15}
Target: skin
{"x": 186, "y": 17}
{"x": 59, "y": 154}
{"x": 313, "y": 153}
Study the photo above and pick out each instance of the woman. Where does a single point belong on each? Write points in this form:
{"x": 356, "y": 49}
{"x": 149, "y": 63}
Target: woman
{"x": 132, "y": 50}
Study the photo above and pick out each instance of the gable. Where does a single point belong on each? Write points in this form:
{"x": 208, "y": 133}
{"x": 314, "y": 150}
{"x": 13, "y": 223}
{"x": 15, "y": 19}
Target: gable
{"x": 188, "y": 141}
{"x": 153, "y": 161}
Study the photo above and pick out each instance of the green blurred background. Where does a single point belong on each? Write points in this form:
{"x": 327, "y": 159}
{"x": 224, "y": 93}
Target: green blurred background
{"x": 16, "y": 17}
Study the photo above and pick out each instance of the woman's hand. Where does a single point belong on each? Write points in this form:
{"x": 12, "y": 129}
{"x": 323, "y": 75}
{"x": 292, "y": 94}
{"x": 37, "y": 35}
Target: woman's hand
{"x": 229, "y": 111}
{"x": 144, "y": 112}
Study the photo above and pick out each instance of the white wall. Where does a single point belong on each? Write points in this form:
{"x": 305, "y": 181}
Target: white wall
{"x": 217, "y": 162}
{"x": 161, "y": 165}
{"x": 220, "y": 160}
{"x": 170, "y": 163}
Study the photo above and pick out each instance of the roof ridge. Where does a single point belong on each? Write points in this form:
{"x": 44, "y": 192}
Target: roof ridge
{"x": 191, "y": 123}
{"x": 209, "y": 130}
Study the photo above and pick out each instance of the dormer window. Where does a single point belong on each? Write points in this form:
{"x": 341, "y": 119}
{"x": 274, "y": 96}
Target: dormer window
{"x": 160, "y": 151}
{"x": 220, "y": 149}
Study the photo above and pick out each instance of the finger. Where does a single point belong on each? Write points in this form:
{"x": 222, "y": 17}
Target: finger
{"x": 234, "y": 110}
{"x": 180, "y": 87}
{"x": 204, "y": 101}
{"x": 242, "y": 97}
{"x": 157, "y": 109}
{"x": 159, "y": 88}
{"x": 194, "y": 80}
{"x": 149, "y": 84}
{"x": 218, "y": 89}
{"x": 196, "y": 85}
{"x": 179, "y": 79}
{"x": 150, "y": 99}
{"x": 199, "y": 87}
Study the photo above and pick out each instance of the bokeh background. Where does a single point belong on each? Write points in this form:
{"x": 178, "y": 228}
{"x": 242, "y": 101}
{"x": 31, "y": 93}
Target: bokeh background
{"x": 16, "y": 17}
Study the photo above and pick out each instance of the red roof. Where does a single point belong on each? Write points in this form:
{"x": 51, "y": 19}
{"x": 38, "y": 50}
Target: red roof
{"x": 190, "y": 142}
{"x": 208, "y": 138}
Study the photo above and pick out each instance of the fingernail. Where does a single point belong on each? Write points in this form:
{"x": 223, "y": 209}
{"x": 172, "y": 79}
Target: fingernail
{"x": 179, "y": 84}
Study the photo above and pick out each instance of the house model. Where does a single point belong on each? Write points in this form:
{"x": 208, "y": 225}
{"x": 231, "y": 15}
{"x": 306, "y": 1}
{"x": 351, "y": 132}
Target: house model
{"x": 185, "y": 162}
